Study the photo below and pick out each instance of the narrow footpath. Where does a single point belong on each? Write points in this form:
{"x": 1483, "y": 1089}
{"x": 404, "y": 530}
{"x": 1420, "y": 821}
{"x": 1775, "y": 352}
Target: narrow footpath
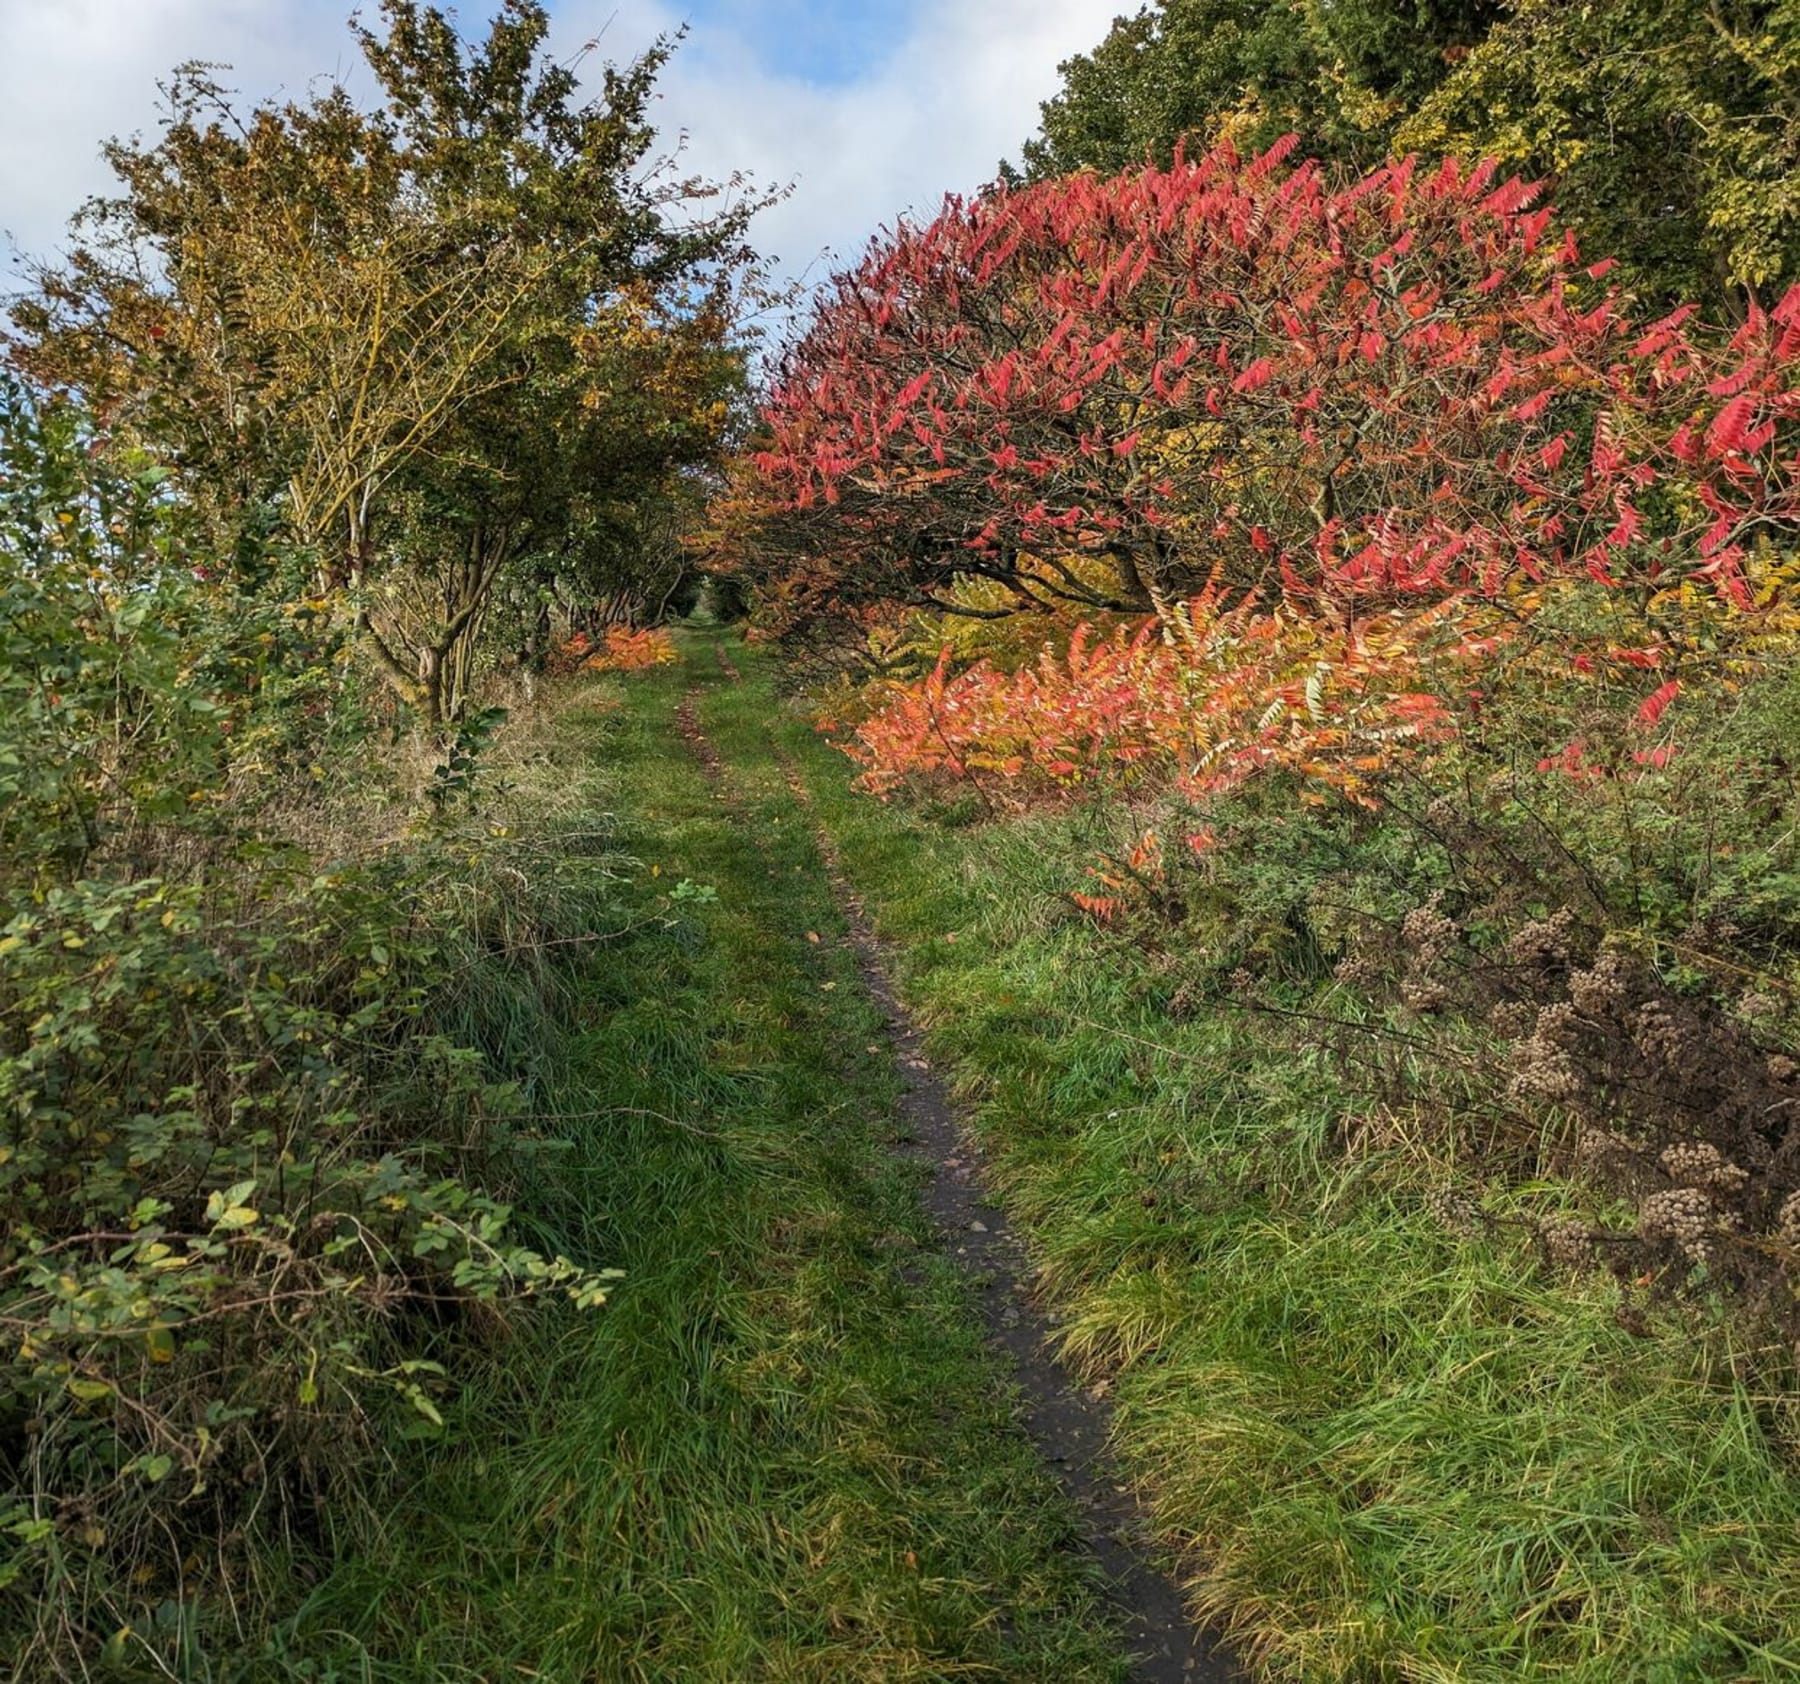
{"x": 814, "y": 1437}
{"x": 1068, "y": 1424}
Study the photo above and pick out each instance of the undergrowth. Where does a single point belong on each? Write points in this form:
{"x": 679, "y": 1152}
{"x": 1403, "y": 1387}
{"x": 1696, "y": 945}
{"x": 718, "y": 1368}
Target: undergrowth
{"x": 276, "y": 997}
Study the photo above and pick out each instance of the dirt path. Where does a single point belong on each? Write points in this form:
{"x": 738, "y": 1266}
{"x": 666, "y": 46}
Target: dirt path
{"x": 1068, "y": 1424}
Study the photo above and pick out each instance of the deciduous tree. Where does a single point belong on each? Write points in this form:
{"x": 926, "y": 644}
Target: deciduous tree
{"x": 379, "y": 322}
{"x": 1340, "y": 73}
{"x": 1106, "y": 393}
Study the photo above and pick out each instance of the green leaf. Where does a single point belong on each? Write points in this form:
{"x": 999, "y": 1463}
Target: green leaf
{"x": 219, "y": 1203}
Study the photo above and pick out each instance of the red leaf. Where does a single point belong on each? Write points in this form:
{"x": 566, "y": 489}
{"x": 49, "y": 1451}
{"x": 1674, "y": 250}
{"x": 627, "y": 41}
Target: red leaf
{"x": 1258, "y": 374}
{"x": 1653, "y": 706}
{"x": 1730, "y": 424}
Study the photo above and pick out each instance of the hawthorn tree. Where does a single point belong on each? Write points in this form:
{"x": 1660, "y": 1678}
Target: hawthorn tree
{"x": 1105, "y": 393}
{"x": 381, "y": 325}
{"x": 552, "y": 496}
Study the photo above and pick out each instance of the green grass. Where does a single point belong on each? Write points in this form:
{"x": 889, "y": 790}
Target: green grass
{"x": 1392, "y": 1454}
{"x": 781, "y": 1452}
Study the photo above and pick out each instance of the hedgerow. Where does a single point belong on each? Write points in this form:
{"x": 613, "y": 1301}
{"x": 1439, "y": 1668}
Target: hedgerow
{"x": 253, "y": 1144}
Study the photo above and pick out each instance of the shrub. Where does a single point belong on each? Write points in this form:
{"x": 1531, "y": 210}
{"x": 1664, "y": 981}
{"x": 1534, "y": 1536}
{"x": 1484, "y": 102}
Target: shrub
{"x": 1107, "y": 391}
{"x": 633, "y": 649}
{"x": 241, "y": 1170}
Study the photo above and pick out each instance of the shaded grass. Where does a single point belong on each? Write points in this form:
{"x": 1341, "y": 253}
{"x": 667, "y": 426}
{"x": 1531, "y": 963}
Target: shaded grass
{"x": 781, "y": 1451}
{"x": 1392, "y": 1454}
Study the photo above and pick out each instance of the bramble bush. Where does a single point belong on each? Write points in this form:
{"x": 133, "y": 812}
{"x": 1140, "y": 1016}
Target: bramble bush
{"x": 246, "y": 1212}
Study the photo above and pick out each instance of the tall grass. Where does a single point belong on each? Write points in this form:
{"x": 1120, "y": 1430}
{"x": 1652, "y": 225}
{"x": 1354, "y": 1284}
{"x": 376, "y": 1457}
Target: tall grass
{"x": 780, "y": 1452}
{"x": 1389, "y": 1452}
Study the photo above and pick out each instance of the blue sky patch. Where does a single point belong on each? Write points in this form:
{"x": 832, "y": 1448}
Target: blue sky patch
{"x": 830, "y": 43}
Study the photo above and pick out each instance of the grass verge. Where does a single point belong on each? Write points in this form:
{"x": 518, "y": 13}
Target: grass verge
{"x": 781, "y": 1451}
{"x": 1393, "y": 1453}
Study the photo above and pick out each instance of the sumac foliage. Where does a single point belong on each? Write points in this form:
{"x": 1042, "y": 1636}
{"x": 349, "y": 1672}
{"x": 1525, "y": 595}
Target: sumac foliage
{"x": 1197, "y": 702}
{"x": 632, "y": 649}
{"x": 1105, "y": 392}
{"x": 619, "y": 649}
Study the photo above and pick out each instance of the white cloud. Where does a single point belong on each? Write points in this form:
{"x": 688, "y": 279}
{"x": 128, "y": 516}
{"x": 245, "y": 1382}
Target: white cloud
{"x": 74, "y": 72}
{"x": 934, "y": 113}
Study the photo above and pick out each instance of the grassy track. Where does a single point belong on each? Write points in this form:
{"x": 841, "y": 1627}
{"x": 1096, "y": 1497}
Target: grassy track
{"x": 1395, "y": 1454}
{"x": 781, "y": 1452}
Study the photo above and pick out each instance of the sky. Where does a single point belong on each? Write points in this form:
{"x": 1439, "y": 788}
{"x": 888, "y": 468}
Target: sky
{"x": 870, "y": 108}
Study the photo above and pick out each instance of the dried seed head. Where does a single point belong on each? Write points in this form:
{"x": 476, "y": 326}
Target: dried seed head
{"x": 1542, "y": 1070}
{"x": 1787, "y": 1223}
{"x": 1568, "y": 1240}
{"x": 1698, "y": 1163}
{"x": 1513, "y": 1018}
{"x": 1455, "y": 1210}
{"x": 1682, "y": 1215}
{"x": 1595, "y": 1146}
{"x": 1556, "y": 1024}
{"x": 1543, "y": 939}
{"x": 1428, "y": 932}
{"x": 1422, "y": 994}
{"x": 1603, "y": 989}
{"x": 1660, "y": 1035}
{"x": 1757, "y": 1006}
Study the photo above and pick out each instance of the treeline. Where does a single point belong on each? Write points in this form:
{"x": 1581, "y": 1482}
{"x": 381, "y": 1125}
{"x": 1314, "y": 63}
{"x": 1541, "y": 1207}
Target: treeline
{"x": 1670, "y": 128}
{"x": 336, "y": 428}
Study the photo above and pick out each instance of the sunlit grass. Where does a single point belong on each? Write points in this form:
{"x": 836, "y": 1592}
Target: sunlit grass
{"x": 1388, "y": 1452}
{"x": 781, "y": 1452}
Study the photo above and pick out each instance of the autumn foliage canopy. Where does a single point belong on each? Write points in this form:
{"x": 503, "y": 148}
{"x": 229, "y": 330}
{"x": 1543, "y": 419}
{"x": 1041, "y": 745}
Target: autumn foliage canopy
{"x": 1320, "y": 408}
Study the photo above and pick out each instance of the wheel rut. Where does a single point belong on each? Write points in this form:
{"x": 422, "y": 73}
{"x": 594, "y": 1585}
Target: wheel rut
{"x": 1069, "y": 1424}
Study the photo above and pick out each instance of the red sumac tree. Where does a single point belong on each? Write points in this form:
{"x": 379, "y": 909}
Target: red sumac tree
{"x": 1109, "y": 392}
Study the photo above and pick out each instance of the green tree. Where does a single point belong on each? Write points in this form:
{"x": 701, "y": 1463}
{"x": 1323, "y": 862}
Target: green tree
{"x": 1669, "y": 129}
{"x": 372, "y": 321}
{"x": 1340, "y": 73}
{"x": 561, "y": 496}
